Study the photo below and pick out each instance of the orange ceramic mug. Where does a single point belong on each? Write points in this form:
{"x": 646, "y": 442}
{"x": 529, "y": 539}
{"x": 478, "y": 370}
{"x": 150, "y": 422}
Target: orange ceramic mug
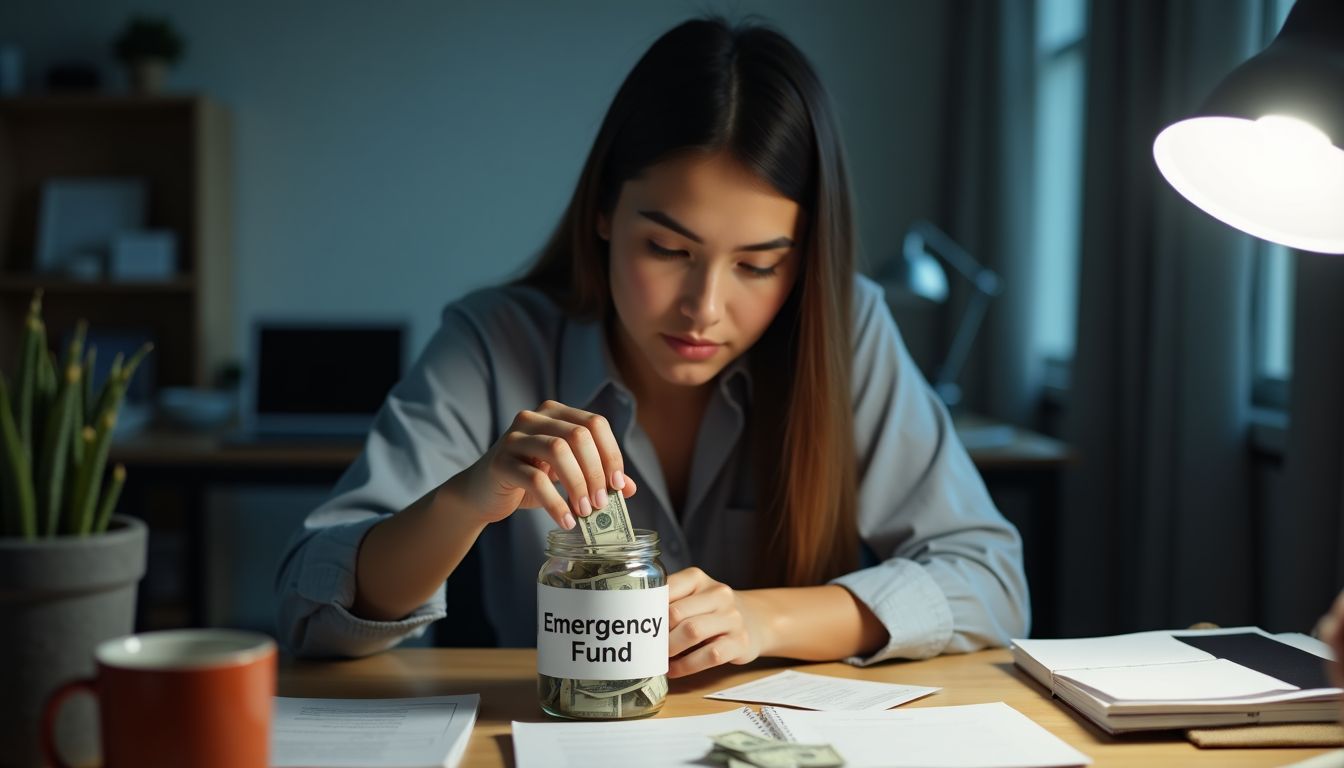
{"x": 182, "y": 697}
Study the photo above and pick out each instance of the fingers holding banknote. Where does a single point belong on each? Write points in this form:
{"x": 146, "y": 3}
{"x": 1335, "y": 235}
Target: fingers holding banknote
{"x": 592, "y": 443}
{"x": 554, "y": 444}
{"x": 1331, "y": 630}
{"x": 709, "y": 624}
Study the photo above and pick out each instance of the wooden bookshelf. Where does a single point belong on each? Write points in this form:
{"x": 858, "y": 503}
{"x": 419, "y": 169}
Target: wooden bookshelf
{"x": 180, "y": 146}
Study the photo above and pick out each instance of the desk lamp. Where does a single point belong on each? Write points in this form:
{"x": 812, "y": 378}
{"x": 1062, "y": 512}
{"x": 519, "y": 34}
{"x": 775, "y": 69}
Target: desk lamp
{"x": 915, "y": 272}
{"x": 1263, "y": 153}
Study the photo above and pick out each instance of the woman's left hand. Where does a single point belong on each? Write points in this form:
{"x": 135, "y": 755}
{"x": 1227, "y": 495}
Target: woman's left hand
{"x": 709, "y": 624}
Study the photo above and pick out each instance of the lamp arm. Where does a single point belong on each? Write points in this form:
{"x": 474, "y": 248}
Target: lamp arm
{"x": 938, "y": 241}
{"x": 924, "y": 236}
{"x": 944, "y": 382}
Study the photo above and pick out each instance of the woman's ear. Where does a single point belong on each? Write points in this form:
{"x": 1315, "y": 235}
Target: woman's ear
{"x": 604, "y": 226}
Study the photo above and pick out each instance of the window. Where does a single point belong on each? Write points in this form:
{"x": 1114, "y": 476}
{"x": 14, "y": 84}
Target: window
{"x": 1061, "y": 32}
{"x": 1272, "y": 355}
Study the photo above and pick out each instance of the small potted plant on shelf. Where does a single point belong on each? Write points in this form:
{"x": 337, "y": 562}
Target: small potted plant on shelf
{"x": 69, "y": 566}
{"x": 148, "y": 46}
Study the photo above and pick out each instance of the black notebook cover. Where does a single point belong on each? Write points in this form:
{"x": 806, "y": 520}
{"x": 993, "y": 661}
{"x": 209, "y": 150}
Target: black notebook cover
{"x": 1265, "y": 655}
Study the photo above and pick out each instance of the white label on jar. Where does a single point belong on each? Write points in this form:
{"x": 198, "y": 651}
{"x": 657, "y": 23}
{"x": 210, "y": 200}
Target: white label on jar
{"x": 601, "y": 634}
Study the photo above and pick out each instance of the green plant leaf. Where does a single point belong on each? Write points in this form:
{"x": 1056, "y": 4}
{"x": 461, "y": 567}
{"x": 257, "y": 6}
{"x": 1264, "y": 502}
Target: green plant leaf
{"x": 29, "y": 367}
{"x": 51, "y": 482}
{"x": 110, "y": 497}
{"x": 18, "y": 476}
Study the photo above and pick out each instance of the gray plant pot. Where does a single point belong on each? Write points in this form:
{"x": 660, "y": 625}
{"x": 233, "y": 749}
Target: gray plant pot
{"x": 58, "y": 599}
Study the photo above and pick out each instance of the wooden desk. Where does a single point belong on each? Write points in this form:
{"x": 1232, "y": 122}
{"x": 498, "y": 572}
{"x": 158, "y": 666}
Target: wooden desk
{"x": 1019, "y": 449}
{"x": 170, "y": 472}
{"x": 207, "y": 452}
{"x": 1008, "y": 446}
{"x": 506, "y": 680}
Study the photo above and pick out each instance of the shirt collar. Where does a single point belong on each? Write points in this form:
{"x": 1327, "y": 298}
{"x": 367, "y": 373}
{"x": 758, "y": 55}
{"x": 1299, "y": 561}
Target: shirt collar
{"x": 586, "y": 365}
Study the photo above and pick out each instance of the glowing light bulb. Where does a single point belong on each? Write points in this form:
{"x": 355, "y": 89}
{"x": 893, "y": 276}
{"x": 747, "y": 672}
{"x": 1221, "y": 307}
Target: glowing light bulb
{"x": 1285, "y": 129}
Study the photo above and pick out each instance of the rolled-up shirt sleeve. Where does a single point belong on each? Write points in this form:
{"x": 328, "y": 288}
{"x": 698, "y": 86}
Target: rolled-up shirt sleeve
{"x": 434, "y": 423}
{"x": 951, "y": 576}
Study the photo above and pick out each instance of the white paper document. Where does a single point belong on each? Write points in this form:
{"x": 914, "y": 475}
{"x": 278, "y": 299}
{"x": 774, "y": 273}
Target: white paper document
{"x": 975, "y": 736}
{"x": 1132, "y": 650}
{"x": 1190, "y": 681}
{"x": 824, "y": 692}
{"x": 653, "y": 743}
{"x": 422, "y": 732}
{"x": 970, "y": 736}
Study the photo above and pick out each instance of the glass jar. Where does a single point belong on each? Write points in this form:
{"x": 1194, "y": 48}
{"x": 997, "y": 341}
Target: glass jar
{"x": 601, "y": 628}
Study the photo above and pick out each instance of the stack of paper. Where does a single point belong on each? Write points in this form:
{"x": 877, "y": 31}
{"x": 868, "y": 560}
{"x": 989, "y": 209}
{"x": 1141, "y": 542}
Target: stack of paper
{"x": 423, "y": 732}
{"x": 1186, "y": 679}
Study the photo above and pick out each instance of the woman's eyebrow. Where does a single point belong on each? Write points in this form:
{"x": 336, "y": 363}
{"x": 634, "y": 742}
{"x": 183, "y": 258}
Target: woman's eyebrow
{"x": 658, "y": 217}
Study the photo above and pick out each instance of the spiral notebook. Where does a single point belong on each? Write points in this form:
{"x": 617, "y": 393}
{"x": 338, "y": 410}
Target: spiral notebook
{"x": 928, "y": 737}
{"x": 1186, "y": 679}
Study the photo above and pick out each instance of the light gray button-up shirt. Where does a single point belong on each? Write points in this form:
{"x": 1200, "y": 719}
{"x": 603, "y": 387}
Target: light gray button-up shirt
{"x": 943, "y": 568}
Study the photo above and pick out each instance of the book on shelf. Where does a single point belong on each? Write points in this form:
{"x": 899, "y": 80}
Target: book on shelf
{"x": 1186, "y": 678}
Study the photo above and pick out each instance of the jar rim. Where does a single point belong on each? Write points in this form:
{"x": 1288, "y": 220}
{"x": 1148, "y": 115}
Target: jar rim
{"x": 571, "y": 544}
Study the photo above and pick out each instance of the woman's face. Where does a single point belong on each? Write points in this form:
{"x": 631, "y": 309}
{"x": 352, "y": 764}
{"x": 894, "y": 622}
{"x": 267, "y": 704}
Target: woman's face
{"x": 703, "y": 254}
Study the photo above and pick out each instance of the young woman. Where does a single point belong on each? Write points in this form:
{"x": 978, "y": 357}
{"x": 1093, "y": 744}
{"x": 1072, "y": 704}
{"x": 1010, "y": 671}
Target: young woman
{"x": 694, "y": 329}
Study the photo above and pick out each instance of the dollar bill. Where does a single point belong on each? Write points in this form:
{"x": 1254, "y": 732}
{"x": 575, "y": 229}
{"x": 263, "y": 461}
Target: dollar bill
{"x": 741, "y": 741}
{"x": 789, "y": 755}
{"x": 602, "y": 699}
{"x": 579, "y": 703}
{"x": 610, "y": 524}
{"x": 607, "y": 688}
{"x": 740, "y": 748}
{"x": 619, "y": 580}
{"x": 653, "y": 692}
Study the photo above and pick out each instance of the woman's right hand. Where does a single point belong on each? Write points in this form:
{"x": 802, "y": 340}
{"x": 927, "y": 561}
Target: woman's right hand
{"x": 1331, "y": 630}
{"x": 553, "y": 444}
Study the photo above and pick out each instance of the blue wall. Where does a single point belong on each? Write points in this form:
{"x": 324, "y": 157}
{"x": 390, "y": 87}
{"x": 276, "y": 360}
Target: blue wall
{"x": 390, "y": 156}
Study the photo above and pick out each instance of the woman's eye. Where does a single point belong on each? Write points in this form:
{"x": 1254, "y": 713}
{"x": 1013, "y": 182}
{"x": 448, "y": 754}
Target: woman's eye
{"x": 669, "y": 253}
{"x": 755, "y": 271}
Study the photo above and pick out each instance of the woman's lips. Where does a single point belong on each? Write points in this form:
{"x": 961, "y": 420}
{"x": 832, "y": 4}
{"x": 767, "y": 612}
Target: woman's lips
{"x": 689, "y": 349}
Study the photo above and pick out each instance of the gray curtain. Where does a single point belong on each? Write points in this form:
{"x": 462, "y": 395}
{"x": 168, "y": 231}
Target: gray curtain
{"x": 987, "y": 200}
{"x": 1304, "y": 542}
{"x": 1158, "y": 527}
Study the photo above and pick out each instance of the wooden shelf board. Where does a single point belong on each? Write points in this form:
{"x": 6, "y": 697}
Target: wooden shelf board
{"x": 52, "y": 285}
{"x": 111, "y": 101}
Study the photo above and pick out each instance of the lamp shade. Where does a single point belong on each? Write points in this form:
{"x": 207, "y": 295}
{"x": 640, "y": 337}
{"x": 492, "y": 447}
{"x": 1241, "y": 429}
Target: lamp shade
{"x": 1264, "y": 153}
{"x": 914, "y": 272}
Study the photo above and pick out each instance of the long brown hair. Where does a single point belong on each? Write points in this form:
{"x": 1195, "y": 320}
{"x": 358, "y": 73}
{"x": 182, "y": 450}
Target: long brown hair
{"x": 710, "y": 86}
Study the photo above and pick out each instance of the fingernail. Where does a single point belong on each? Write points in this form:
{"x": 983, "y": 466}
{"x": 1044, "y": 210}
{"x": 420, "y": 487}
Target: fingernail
{"x": 585, "y": 508}
{"x": 568, "y": 522}
{"x": 618, "y": 480}
{"x": 601, "y": 499}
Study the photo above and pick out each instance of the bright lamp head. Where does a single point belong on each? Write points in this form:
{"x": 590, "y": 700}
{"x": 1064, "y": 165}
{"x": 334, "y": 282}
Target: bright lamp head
{"x": 1263, "y": 153}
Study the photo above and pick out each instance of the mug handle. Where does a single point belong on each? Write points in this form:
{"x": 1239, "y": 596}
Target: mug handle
{"x": 53, "y": 708}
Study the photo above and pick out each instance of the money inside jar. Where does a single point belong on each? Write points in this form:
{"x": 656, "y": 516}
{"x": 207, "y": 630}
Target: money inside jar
{"x": 595, "y": 636}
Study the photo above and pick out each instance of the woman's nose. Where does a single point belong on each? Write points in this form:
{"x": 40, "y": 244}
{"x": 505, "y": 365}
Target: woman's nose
{"x": 702, "y": 301}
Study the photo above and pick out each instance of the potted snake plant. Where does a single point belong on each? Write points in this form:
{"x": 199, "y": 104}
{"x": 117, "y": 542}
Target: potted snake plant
{"x": 69, "y": 566}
